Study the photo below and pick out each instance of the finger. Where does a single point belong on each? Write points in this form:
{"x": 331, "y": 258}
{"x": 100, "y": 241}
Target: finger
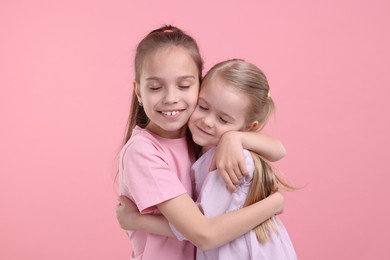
{"x": 242, "y": 168}
{"x": 228, "y": 171}
{"x": 226, "y": 178}
{"x": 238, "y": 173}
{"x": 233, "y": 177}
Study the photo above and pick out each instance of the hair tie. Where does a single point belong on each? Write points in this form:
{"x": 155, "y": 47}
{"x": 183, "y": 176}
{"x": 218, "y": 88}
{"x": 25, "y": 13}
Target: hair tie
{"x": 167, "y": 30}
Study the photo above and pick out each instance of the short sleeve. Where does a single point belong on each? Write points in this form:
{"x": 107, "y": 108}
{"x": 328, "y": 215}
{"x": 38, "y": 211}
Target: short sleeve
{"x": 147, "y": 176}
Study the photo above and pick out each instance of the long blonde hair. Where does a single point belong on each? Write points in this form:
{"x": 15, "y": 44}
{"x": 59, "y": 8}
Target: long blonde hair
{"x": 249, "y": 79}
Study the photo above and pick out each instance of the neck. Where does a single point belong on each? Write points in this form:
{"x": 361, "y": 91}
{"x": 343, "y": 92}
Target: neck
{"x": 206, "y": 148}
{"x": 166, "y": 134}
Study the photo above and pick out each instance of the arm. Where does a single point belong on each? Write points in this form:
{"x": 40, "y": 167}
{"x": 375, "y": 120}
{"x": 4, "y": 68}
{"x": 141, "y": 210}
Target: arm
{"x": 269, "y": 147}
{"x": 185, "y": 216}
{"x": 207, "y": 233}
{"x": 130, "y": 218}
{"x": 180, "y": 210}
{"x": 229, "y": 158}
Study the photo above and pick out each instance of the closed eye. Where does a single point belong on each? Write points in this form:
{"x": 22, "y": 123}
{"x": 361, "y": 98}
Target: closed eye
{"x": 202, "y": 107}
{"x": 223, "y": 120}
{"x": 155, "y": 86}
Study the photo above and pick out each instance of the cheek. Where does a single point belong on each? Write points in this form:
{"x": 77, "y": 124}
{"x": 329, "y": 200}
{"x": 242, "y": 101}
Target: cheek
{"x": 219, "y": 133}
{"x": 193, "y": 97}
{"x": 193, "y": 116}
{"x": 191, "y": 121}
{"x": 192, "y": 106}
{"x": 146, "y": 98}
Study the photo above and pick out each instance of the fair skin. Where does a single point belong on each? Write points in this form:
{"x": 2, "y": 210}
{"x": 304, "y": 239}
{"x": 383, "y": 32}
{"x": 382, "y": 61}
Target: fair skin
{"x": 205, "y": 233}
{"x": 168, "y": 95}
{"x": 230, "y": 162}
{"x": 221, "y": 108}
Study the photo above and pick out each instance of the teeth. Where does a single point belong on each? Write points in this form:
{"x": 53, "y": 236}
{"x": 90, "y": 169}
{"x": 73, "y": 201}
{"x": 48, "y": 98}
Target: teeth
{"x": 171, "y": 113}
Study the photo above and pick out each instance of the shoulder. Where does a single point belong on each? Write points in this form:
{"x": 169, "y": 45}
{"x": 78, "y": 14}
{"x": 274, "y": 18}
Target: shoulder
{"x": 141, "y": 145}
{"x": 250, "y": 165}
{"x": 248, "y": 158}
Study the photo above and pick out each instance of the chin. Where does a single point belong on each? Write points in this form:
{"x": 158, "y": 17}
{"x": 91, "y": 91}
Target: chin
{"x": 198, "y": 141}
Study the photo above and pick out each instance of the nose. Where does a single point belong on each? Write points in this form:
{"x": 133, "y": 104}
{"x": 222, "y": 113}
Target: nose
{"x": 208, "y": 121}
{"x": 171, "y": 96}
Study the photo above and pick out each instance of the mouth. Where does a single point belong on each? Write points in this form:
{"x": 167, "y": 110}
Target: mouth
{"x": 203, "y": 131}
{"x": 171, "y": 114}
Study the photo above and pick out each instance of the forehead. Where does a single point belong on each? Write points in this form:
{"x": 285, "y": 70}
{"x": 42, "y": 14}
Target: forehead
{"x": 169, "y": 62}
{"x": 224, "y": 97}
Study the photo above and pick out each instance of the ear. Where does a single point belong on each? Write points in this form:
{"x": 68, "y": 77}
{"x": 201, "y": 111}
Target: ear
{"x": 137, "y": 91}
{"x": 254, "y": 126}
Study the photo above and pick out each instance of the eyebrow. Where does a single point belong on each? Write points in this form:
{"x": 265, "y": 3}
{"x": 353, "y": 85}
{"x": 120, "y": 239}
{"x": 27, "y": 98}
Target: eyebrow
{"x": 180, "y": 78}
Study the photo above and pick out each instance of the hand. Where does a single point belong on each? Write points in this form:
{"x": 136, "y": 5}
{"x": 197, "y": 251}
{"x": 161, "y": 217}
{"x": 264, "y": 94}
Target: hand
{"x": 229, "y": 159}
{"x": 127, "y": 213}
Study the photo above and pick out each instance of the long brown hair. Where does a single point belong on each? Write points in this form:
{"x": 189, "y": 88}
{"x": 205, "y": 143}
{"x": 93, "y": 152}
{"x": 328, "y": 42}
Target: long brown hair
{"x": 163, "y": 37}
{"x": 249, "y": 79}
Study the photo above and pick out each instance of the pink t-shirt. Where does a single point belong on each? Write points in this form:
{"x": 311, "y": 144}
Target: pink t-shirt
{"x": 152, "y": 170}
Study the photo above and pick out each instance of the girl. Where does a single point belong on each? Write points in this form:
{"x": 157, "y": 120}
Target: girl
{"x": 156, "y": 159}
{"x": 243, "y": 104}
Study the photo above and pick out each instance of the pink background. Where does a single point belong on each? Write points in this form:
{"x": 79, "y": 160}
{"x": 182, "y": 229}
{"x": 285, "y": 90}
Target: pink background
{"x": 65, "y": 73}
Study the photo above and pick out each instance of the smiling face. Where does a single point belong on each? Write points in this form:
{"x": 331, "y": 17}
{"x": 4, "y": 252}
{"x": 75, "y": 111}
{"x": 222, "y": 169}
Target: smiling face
{"x": 221, "y": 108}
{"x": 168, "y": 90}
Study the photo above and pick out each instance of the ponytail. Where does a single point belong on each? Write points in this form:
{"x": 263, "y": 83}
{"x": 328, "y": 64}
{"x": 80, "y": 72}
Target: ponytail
{"x": 264, "y": 183}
